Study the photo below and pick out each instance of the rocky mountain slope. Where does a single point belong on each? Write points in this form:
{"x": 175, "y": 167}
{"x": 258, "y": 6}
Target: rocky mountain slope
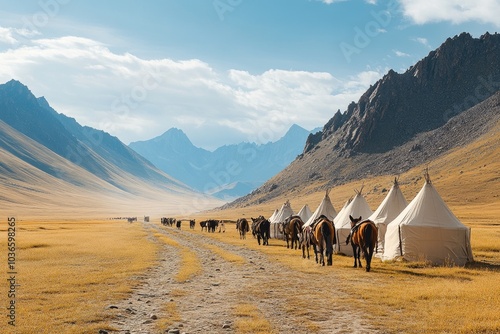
{"x": 228, "y": 172}
{"x": 446, "y": 100}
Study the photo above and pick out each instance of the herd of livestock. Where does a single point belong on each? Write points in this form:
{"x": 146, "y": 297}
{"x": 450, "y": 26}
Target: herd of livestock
{"x": 320, "y": 235}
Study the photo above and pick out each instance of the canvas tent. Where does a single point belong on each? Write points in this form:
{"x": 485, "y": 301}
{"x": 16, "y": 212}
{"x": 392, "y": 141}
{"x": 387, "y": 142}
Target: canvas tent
{"x": 284, "y": 212}
{"x": 427, "y": 230}
{"x": 357, "y": 207}
{"x": 324, "y": 208}
{"x": 388, "y": 210}
{"x": 273, "y": 215}
{"x": 305, "y": 213}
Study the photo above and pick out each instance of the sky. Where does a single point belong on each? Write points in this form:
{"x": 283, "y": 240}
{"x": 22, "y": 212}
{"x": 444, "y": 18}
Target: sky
{"x": 223, "y": 71}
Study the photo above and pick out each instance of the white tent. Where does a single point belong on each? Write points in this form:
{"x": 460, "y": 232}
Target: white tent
{"x": 427, "y": 230}
{"x": 273, "y": 215}
{"x": 305, "y": 213}
{"x": 357, "y": 207}
{"x": 324, "y": 208}
{"x": 284, "y": 212}
{"x": 346, "y": 204}
{"x": 388, "y": 210}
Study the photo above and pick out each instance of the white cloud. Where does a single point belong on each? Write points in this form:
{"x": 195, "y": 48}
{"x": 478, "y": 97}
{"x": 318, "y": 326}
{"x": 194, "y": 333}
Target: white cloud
{"x": 11, "y": 36}
{"x": 424, "y": 42}
{"x": 137, "y": 99}
{"x": 400, "y": 53}
{"x": 454, "y": 11}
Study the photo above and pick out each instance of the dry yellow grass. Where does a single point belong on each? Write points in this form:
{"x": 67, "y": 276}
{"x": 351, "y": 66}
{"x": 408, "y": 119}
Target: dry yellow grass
{"x": 190, "y": 264}
{"x": 69, "y": 272}
{"x": 250, "y": 320}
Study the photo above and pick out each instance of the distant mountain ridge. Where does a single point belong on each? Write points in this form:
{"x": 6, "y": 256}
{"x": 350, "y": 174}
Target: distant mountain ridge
{"x": 449, "y": 98}
{"x": 228, "y": 172}
{"x": 43, "y": 147}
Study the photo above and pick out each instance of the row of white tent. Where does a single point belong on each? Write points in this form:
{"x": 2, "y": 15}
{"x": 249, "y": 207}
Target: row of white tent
{"x": 423, "y": 230}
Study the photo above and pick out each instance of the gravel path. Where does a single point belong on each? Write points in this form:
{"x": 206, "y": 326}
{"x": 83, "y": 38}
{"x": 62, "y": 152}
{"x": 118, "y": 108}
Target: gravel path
{"x": 207, "y": 301}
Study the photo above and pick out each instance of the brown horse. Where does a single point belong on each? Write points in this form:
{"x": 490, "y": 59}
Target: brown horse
{"x": 363, "y": 236}
{"x": 261, "y": 229}
{"x": 243, "y": 227}
{"x": 324, "y": 233}
{"x": 292, "y": 227}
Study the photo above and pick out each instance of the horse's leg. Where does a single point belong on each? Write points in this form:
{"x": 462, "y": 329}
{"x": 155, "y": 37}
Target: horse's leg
{"x": 354, "y": 254}
{"x": 359, "y": 257}
{"x": 368, "y": 257}
{"x": 316, "y": 252}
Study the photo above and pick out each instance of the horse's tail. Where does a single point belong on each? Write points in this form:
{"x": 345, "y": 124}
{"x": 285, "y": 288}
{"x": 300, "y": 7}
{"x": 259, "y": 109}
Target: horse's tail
{"x": 327, "y": 236}
{"x": 370, "y": 235}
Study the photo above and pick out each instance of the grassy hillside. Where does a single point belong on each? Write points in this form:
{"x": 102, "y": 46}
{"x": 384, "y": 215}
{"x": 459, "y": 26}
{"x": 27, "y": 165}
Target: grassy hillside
{"x": 70, "y": 191}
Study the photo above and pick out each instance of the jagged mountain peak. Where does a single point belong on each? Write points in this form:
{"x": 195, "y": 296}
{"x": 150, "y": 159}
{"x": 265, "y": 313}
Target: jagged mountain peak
{"x": 399, "y": 106}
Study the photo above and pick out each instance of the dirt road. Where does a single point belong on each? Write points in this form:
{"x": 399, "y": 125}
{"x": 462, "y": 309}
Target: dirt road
{"x": 290, "y": 301}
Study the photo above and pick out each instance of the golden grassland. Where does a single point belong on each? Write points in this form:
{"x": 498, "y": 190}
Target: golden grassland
{"x": 68, "y": 272}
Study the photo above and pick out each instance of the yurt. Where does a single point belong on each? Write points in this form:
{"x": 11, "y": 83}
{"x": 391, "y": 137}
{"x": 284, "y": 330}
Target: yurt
{"x": 324, "y": 208}
{"x": 357, "y": 207}
{"x": 427, "y": 230}
{"x": 284, "y": 212}
{"x": 305, "y": 213}
{"x": 273, "y": 215}
{"x": 392, "y": 205}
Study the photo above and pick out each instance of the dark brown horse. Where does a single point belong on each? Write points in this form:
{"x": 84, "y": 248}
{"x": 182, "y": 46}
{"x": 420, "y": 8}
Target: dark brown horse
{"x": 363, "y": 236}
{"x": 261, "y": 229}
{"x": 324, "y": 233}
{"x": 292, "y": 227}
{"x": 243, "y": 227}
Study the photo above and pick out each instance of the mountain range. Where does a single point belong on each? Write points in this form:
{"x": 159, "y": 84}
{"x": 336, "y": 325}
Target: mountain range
{"x": 446, "y": 100}
{"x": 50, "y": 155}
{"x": 228, "y": 172}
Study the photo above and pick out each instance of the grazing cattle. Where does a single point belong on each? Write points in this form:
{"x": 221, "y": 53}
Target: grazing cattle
{"x": 363, "y": 237}
{"x": 261, "y": 228}
{"x": 178, "y": 224}
{"x": 324, "y": 233}
{"x": 242, "y": 227}
{"x": 307, "y": 239}
{"x": 292, "y": 227}
{"x": 192, "y": 224}
{"x": 132, "y": 219}
{"x": 222, "y": 226}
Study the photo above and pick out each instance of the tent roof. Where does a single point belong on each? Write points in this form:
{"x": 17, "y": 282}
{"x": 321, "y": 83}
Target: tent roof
{"x": 305, "y": 213}
{"x": 357, "y": 207}
{"x": 273, "y": 215}
{"x": 391, "y": 206}
{"x": 284, "y": 212}
{"x": 324, "y": 208}
{"x": 428, "y": 209}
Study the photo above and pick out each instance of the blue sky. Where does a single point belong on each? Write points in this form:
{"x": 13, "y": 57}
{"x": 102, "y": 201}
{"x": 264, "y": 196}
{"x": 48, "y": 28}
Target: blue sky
{"x": 224, "y": 71}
